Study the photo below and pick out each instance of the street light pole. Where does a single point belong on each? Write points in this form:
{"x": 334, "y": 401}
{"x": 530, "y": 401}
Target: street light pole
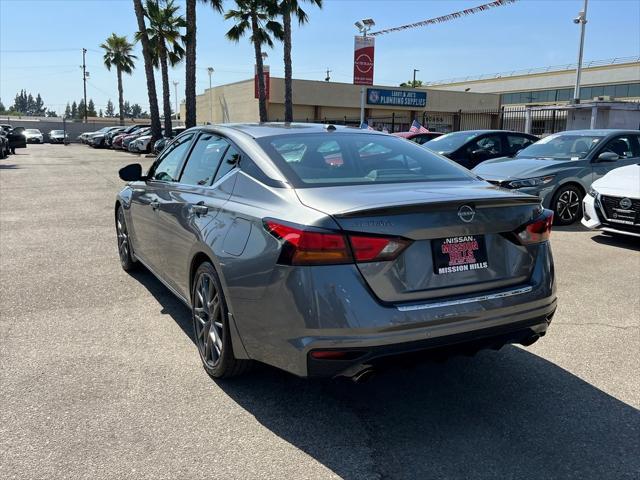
{"x": 175, "y": 87}
{"x": 582, "y": 20}
{"x": 84, "y": 80}
{"x": 414, "y": 77}
{"x": 210, "y": 71}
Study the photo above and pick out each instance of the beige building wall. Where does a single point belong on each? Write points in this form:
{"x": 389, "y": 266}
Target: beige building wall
{"x": 606, "y": 74}
{"x": 316, "y": 101}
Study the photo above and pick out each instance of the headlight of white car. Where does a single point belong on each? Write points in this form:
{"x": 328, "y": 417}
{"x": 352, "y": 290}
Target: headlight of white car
{"x": 531, "y": 182}
{"x": 593, "y": 192}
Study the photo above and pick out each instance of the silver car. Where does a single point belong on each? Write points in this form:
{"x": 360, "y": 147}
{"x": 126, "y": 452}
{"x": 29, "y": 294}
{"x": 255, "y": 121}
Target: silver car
{"x": 560, "y": 168}
{"x": 330, "y": 251}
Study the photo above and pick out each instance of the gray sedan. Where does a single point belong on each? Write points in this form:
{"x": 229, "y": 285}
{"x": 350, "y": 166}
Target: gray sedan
{"x": 560, "y": 168}
{"x": 328, "y": 250}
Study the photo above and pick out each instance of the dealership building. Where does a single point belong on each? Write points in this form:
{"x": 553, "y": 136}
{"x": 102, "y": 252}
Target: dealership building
{"x": 457, "y": 104}
{"x": 613, "y": 79}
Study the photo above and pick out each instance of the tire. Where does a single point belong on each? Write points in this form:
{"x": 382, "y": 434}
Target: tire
{"x": 127, "y": 260}
{"x": 13, "y": 150}
{"x": 211, "y": 325}
{"x": 567, "y": 205}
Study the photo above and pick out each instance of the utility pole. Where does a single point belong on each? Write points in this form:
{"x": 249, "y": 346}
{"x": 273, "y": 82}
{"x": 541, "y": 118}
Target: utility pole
{"x": 175, "y": 87}
{"x": 581, "y": 20}
{"x": 210, "y": 72}
{"x": 84, "y": 80}
{"x": 414, "y": 77}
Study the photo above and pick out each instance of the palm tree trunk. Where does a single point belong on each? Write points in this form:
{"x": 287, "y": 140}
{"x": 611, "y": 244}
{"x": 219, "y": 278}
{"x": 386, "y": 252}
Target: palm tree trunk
{"x": 190, "y": 66}
{"x": 262, "y": 97}
{"x": 120, "y": 96}
{"x": 154, "y": 112}
{"x": 288, "y": 94}
{"x": 166, "y": 95}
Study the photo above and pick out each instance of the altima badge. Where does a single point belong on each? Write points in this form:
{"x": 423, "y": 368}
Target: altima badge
{"x": 466, "y": 213}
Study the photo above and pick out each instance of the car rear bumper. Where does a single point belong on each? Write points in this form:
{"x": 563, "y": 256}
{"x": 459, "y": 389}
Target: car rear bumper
{"x": 331, "y": 308}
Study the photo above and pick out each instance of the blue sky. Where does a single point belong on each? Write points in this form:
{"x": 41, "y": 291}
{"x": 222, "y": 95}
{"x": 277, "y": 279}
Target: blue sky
{"x": 41, "y": 42}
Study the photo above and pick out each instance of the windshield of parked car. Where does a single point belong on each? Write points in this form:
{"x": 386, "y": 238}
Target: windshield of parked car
{"x": 561, "y": 146}
{"x": 450, "y": 142}
{"x": 32, "y": 130}
{"x": 323, "y": 159}
{"x": 57, "y": 132}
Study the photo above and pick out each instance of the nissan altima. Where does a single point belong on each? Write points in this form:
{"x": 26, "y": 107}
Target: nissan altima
{"x": 329, "y": 251}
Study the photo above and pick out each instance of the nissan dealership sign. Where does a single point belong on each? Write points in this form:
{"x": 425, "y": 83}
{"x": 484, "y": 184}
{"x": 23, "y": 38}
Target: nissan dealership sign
{"x": 363, "y": 61}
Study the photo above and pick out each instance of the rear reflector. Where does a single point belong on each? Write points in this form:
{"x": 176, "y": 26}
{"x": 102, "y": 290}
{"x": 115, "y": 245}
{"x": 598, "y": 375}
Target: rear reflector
{"x": 303, "y": 246}
{"x": 335, "y": 354}
{"x": 539, "y": 230}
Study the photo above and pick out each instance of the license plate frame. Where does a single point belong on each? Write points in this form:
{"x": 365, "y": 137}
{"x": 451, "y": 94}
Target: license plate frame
{"x": 459, "y": 254}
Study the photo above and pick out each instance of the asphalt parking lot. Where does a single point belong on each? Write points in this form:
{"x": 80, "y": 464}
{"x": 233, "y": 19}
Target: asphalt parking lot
{"x": 100, "y": 379}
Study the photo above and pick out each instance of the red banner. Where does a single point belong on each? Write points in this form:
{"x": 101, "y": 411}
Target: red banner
{"x": 363, "y": 60}
{"x": 265, "y": 73}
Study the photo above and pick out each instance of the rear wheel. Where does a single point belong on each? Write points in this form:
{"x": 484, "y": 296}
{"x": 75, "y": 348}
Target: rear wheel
{"x": 567, "y": 205}
{"x": 211, "y": 325}
{"x": 124, "y": 243}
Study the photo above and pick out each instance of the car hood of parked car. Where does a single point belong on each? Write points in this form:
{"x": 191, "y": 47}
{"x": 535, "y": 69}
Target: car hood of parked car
{"x": 509, "y": 168}
{"x": 623, "y": 181}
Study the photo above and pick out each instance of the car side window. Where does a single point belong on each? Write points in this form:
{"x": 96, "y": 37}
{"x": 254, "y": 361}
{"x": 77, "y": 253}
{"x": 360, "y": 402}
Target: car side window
{"x": 623, "y": 146}
{"x": 491, "y": 144}
{"x": 167, "y": 167}
{"x": 229, "y": 162}
{"x": 517, "y": 143}
{"x": 204, "y": 160}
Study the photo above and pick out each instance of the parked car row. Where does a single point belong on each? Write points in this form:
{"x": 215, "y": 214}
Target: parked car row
{"x": 134, "y": 138}
{"x": 559, "y": 169}
{"x": 10, "y": 139}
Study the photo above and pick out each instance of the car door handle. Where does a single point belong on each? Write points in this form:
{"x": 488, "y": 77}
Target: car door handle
{"x": 198, "y": 209}
{"x": 155, "y": 205}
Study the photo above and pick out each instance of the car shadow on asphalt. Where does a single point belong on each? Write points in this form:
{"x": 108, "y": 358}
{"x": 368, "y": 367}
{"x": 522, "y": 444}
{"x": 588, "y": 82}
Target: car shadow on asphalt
{"x": 505, "y": 414}
{"x": 8, "y": 166}
{"x": 621, "y": 241}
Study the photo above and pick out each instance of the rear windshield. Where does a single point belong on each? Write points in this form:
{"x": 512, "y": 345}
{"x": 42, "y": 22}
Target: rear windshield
{"x": 323, "y": 159}
{"x": 450, "y": 142}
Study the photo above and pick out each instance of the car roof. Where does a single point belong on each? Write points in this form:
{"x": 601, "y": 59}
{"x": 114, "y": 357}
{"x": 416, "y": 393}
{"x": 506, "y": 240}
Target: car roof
{"x": 272, "y": 129}
{"x": 601, "y": 131}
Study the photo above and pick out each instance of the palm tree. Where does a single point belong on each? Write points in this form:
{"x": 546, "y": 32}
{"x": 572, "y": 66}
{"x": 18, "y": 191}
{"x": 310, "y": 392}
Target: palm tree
{"x": 190, "y": 56}
{"x": 117, "y": 53}
{"x": 257, "y": 17}
{"x": 289, "y": 8}
{"x": 166, "y": 40}
{"x": 147, "y": 53}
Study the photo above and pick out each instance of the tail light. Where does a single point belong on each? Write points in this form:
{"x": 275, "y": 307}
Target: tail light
{"x": 539, "y": 230}
{"x": 305, "y": 246}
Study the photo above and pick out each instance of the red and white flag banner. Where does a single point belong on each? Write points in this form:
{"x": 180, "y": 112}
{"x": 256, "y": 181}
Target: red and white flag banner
{"x": 445, "y": 18}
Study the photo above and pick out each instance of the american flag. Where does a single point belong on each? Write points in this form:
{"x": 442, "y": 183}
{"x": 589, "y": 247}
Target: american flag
{"x": 417, "y": 128}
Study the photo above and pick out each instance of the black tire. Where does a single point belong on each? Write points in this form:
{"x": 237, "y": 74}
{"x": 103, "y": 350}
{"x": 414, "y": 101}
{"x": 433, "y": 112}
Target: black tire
{"x": 127, "y": 260}
{"x": 567, "y": 205}
{"x": 211, "y": 325}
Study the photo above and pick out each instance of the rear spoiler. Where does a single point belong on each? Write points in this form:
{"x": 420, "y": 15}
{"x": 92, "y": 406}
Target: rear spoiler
{"x": 407, "y": 208}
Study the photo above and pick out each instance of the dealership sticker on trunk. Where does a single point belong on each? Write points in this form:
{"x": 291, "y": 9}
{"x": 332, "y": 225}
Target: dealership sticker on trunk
{"x": 459, "y": 254}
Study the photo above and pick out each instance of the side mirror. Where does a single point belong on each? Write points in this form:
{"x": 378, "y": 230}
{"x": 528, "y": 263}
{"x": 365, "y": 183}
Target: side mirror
{"x": 608, "y": 157}
{"x": 131, "y": 173}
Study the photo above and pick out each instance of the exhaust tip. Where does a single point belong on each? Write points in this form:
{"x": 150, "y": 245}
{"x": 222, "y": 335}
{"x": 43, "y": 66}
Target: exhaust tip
{"x": 530, "y": 340}
{"x": 363, "y": 375}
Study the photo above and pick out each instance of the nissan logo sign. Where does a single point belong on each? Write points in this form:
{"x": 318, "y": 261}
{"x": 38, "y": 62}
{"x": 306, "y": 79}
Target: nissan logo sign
{"x": 626, "y": 203}
{"x": 466, "y": 213}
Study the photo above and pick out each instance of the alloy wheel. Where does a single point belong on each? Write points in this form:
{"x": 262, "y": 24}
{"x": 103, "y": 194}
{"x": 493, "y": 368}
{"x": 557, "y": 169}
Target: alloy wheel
{"x": 123, "y": 238}
{"x": 207, "y": 314}
{"x": 568, "y": 205}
